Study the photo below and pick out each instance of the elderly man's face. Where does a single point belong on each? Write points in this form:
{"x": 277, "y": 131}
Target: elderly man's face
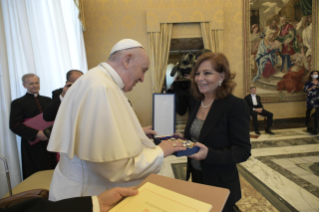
{"x": 137, "y": 70}
{"x": 32, "y": 84}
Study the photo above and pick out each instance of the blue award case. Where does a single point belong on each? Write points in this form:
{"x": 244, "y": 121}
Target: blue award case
{"x": 164, "y": 121}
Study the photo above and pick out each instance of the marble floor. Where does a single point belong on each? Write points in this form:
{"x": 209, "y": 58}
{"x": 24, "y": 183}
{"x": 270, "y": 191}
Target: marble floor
{"x": 283, "y": 167}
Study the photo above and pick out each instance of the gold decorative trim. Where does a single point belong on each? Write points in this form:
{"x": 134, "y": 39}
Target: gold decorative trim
{"x": 314, "y": 38}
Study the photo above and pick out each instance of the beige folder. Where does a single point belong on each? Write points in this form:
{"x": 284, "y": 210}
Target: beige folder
{"x": 210, "y": 194}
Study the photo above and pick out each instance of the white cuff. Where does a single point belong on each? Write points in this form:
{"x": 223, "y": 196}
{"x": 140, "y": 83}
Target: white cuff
{"x": 96, "y": 204}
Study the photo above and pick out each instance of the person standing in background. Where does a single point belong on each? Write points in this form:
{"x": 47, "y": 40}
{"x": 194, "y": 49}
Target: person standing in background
{"x": 312, "y": 90}
{"x": 36, "y": 157}
{"x": 57, "y": 95}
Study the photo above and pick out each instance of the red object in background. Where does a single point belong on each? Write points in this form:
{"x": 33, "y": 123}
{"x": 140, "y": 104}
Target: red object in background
{"x": 37, "y": 123}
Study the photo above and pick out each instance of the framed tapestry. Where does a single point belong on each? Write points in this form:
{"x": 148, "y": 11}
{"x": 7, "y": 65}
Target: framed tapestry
{"x": 278, "y": 36}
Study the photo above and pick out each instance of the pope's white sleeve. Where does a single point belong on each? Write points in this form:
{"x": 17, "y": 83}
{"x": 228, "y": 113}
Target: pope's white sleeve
{"x": 149, "y": 161}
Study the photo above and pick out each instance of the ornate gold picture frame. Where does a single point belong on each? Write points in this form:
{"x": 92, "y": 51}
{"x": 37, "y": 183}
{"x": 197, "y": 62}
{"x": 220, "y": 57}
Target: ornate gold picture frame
{"x": 279, "y": 36}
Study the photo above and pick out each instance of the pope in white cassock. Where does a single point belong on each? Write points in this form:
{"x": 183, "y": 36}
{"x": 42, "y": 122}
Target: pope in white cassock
{"x": 100, "y": 140}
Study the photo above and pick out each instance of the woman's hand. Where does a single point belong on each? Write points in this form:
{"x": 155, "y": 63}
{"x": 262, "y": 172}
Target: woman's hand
{"x": 201, "y": 154}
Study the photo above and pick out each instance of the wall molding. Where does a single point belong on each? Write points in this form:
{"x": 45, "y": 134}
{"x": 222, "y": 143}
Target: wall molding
{"x": 156, "y": 16}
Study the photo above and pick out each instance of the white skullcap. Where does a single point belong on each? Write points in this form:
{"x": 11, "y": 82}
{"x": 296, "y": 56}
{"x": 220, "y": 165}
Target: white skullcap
{"x": 125, "y": 44}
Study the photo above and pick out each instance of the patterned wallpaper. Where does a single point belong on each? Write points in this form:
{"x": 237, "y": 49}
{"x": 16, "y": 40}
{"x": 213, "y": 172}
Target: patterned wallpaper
{"x": 108, "y": 21}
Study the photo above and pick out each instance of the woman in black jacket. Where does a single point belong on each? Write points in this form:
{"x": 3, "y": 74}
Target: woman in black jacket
{"x": 219, "y": 124}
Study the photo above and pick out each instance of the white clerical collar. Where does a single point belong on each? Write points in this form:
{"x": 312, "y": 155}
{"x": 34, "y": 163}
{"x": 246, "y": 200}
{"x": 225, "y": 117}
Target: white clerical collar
{"x": 35, "y": 94}
{"x": 114, "y": 75}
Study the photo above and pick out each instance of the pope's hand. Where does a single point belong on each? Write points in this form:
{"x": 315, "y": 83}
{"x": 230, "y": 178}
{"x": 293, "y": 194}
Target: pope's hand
{"x": 149, "y": 131}
{"x": 169, "y": 147}
{"x": 111, "y": 197}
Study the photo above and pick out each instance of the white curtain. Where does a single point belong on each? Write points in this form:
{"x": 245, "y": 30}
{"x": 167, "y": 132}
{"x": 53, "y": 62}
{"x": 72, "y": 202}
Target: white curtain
{"x": 41, "y": 37}
{"x": 45, "y": 38}
{"x": 212, "y": 39}
{"x": 8, "y": 145}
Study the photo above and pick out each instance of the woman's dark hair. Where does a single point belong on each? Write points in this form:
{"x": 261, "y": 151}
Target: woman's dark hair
{"x": 220, "y": 64}
{"x": 311, "y": 73}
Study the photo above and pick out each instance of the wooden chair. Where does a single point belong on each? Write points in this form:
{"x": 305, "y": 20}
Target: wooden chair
{"x": 35, "y": 186}
{"x": 23, "y": 196}
{"x": 39, "y": 180}
{"x": 259, "y": 118}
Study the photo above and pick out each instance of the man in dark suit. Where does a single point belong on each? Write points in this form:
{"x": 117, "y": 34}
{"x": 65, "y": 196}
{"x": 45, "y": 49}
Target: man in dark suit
{"x": 36, "y": 157}
{"x": 71, "y": 77}
{"x": 256, "y": 108}
{"x": 57, "y": 95}
{"x": 103, "y": 202}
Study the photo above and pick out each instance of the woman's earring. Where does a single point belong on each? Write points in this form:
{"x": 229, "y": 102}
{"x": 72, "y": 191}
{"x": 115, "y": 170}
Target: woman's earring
{"x": 220, "y": 83}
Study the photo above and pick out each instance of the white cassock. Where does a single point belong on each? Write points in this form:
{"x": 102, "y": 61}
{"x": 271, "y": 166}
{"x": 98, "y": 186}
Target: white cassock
{"x": 100, "y": 140}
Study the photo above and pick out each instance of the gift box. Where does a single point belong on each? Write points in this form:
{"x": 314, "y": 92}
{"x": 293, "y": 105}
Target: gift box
{"x": 164, "y": 121}
{"x": 188, "y": 151}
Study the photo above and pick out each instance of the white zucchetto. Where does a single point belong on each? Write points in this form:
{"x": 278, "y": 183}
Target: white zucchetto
{"x": 125, "y": 44}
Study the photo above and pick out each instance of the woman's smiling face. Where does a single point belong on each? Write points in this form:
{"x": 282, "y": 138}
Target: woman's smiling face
{"x": 207, "y": 79}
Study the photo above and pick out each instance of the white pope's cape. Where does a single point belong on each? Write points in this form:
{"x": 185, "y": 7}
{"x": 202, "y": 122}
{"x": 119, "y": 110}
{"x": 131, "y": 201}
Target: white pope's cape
{"x": 100, "y": 140}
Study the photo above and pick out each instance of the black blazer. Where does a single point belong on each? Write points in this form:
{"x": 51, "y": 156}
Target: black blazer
{"x": 249, "y": 101}
{"x": 56, "y": 93}
{"x": 51, "y": 111}
{"x": 79, "y": 204}
{"x": 226, "y": 134}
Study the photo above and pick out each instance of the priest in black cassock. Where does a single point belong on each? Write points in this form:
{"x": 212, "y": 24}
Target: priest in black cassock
{"x": 36, "y": 157}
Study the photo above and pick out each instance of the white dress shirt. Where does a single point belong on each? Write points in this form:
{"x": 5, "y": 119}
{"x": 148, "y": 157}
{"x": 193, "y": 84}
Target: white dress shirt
{"x": 254, "y": 99}
{"x": 96, "y": 204}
